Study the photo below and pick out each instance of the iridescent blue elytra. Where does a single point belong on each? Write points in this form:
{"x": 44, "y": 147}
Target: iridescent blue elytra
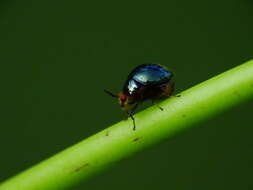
{"x": 145, "y": 82}
{"x": 147, "y": 75}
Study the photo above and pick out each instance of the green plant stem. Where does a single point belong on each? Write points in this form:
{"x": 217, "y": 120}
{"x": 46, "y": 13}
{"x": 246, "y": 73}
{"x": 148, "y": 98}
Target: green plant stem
{"x": 119, "y": 141}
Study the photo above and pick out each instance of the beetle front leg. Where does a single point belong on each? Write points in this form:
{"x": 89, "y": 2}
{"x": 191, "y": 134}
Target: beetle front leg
{"x": 130, "y": 114}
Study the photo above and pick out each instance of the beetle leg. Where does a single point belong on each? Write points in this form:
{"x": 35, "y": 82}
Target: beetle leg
{"x": 131, "y": 115}
{"x": 133, "y": 109}
{"x": 153, "y": 103}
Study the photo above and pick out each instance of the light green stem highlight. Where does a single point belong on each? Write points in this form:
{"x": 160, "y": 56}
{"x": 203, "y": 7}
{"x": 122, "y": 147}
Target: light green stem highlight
{"x": 119, "y": 141}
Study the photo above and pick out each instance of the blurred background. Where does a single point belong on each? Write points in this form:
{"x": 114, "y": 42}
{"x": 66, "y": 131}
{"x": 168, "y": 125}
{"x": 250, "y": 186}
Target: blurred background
{"x": 56, "y": 57}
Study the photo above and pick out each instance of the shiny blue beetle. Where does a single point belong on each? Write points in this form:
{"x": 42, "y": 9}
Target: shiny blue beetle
{"x": 145, "y": 82}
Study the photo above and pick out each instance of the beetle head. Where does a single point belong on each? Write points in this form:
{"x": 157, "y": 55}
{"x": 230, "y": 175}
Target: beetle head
{"x": 123, "y": 99}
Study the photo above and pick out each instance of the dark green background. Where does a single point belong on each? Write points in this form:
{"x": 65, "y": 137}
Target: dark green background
{"x": 56, "y": 57}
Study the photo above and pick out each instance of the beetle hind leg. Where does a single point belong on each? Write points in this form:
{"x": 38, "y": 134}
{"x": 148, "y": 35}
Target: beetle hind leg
{"x": 154, "y": 103}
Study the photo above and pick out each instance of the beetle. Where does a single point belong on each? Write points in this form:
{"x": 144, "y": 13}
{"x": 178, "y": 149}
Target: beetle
{"x": 145, "y": 82}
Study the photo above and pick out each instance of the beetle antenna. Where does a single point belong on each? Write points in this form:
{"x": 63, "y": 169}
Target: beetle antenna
{"x": 110, "y": 93}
